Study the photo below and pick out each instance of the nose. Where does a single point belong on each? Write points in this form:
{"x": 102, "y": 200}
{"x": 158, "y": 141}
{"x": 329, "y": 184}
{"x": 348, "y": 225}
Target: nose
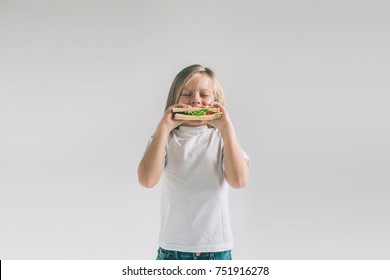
{"x": 195, "y": 101}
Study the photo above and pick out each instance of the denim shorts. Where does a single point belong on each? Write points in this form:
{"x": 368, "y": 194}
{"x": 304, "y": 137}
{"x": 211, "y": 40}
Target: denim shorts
{"x": 163, "y": 254}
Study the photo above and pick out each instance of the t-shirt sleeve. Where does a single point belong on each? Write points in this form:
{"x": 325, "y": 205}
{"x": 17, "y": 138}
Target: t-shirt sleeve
{"x": 244, "y": 154}
{"x": 165, "y": 155}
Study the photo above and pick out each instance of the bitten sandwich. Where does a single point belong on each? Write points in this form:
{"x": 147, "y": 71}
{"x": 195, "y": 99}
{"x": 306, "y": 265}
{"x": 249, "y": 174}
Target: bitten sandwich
{"x": 196, "y": 114}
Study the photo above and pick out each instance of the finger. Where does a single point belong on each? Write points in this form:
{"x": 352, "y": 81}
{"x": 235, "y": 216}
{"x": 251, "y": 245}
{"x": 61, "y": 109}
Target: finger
{"x": 216, "y": 104}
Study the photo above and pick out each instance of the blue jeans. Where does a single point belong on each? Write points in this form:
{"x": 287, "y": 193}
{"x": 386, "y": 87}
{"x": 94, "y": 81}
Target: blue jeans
{"x": 163, "y": 254}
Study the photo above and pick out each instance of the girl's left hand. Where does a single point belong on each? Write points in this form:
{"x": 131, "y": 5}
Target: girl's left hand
{"x": 223, "y": 122}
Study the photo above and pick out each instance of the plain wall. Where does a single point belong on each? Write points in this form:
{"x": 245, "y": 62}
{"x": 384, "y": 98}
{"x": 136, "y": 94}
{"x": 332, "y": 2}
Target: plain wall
{"x": 307, "y": 88}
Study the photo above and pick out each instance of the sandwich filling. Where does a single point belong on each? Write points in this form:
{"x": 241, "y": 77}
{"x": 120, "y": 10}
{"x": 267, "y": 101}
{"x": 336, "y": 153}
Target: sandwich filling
{"x": 196, "y": 113}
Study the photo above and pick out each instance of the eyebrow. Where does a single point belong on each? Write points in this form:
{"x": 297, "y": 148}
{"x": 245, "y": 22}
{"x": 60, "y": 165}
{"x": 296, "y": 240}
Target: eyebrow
{"x": 200, "y": 90}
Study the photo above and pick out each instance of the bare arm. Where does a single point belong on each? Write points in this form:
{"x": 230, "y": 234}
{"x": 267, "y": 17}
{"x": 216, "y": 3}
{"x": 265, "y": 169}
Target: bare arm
{"x": 236, "y": 168}
{"x": 151, "y": 165}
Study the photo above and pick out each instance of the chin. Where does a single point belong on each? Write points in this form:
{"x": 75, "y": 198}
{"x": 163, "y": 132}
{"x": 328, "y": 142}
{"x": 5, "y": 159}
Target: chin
{"x": 194, "y": 123}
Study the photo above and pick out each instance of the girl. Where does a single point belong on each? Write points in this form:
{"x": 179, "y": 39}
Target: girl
{"x": 200, "y": 159}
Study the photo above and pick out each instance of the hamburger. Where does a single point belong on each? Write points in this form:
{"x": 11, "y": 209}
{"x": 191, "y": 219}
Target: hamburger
{"x": 196, "y": 114}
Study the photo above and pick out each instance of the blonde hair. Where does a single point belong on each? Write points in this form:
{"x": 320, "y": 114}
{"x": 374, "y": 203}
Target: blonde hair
{"x": 185, "y": 75}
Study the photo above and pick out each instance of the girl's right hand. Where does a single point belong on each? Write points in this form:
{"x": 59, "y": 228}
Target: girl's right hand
{"x": 168, "y": 121}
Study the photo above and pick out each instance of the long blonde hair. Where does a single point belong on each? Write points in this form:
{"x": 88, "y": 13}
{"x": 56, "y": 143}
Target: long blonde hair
{"x": 185, "y": 75}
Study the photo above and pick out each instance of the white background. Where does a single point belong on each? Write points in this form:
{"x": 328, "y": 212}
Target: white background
{"x": 307, "y": 87}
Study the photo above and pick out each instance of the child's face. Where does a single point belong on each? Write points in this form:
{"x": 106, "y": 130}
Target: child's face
{"x": 198, "y": 92}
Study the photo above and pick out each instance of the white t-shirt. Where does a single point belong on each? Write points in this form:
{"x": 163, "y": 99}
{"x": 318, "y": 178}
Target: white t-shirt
{"x": 194, "y": 205}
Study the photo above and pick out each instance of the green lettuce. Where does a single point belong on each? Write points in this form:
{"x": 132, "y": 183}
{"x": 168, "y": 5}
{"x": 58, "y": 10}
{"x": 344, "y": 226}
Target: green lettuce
{"x": 197, "y": 113}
